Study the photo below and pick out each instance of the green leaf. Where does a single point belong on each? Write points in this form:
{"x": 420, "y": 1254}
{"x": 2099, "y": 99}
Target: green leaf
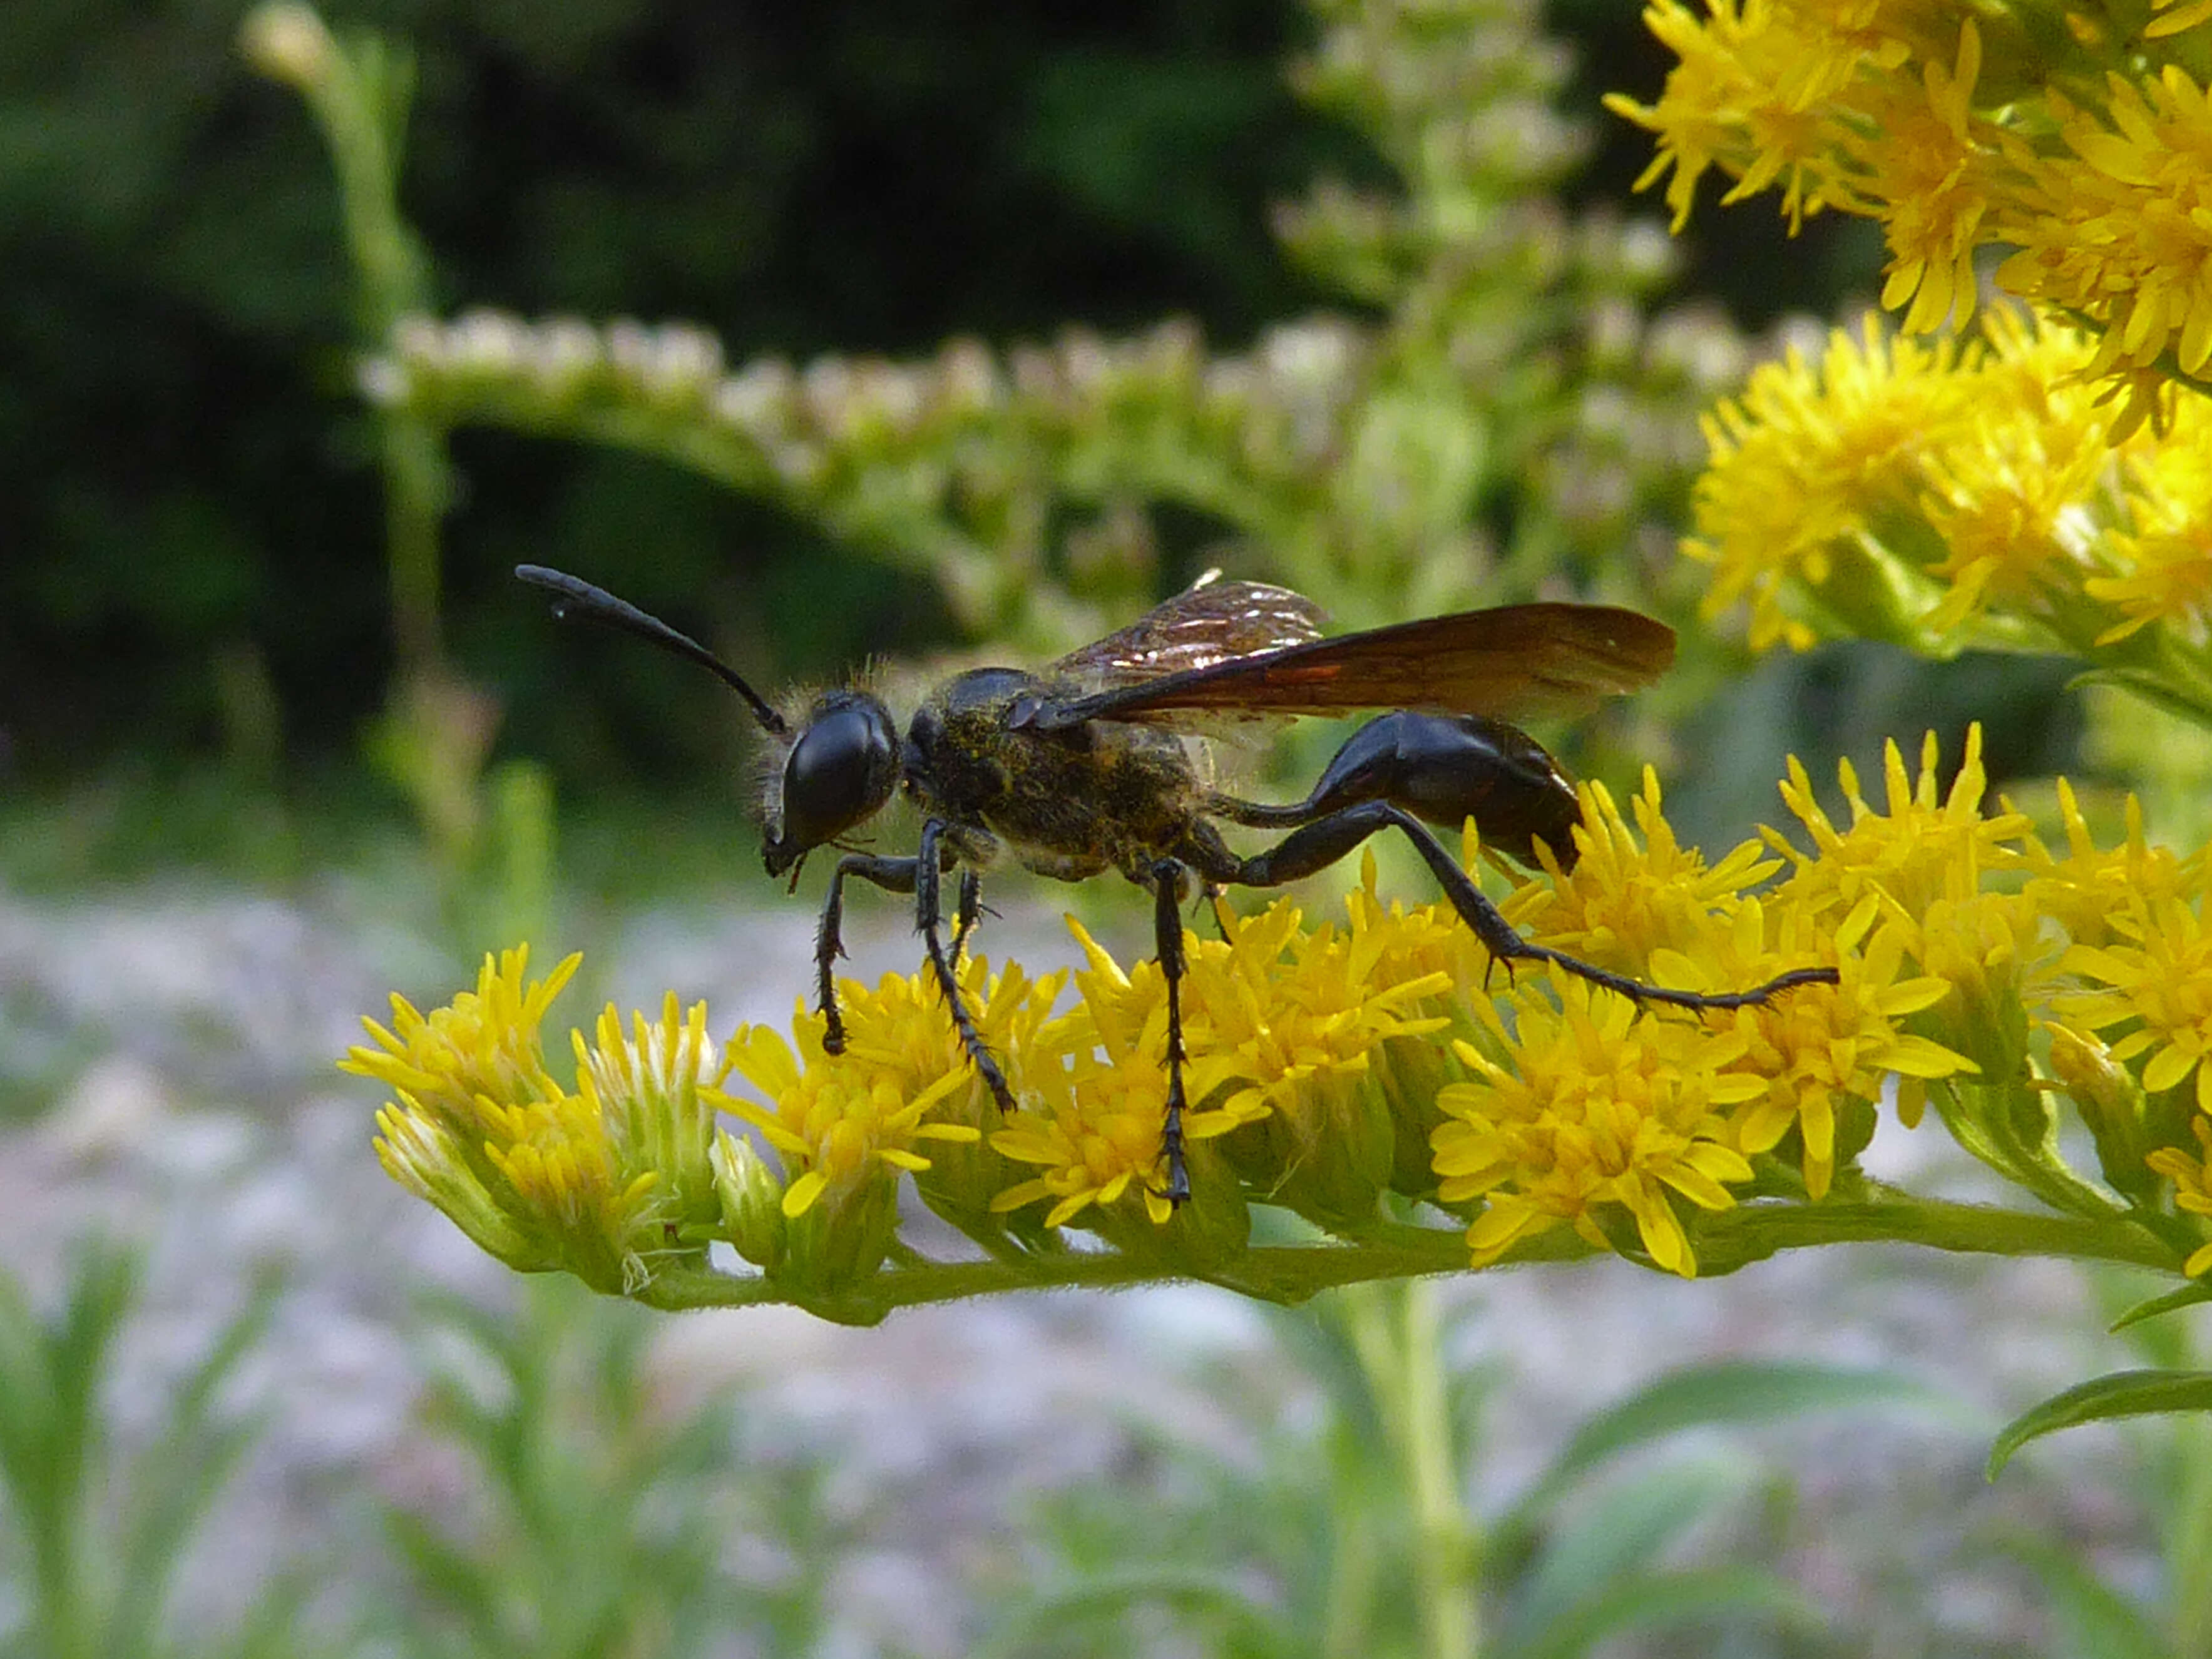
{"x": 2188, "y": 1296}
{"x": 175, "y": 1482}
{"x": 2104, "y": 1399}
{"x": 1619, "y": 1536}
{"x": 2092, "y": 1619}
{"x": 1738, "y": 1393}
{"x": 1109, "y": 1595}
{"x": 1654, "y": 1601}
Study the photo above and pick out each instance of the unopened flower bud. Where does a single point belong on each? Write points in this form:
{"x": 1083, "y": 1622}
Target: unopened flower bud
{"x": 752, "y": 1201}
{"x": 288, "y": 43}
{"x": 2111, "y": 1102}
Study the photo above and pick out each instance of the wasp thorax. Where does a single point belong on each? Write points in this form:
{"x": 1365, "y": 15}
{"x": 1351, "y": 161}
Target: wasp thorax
{"x": 837, "y": 775}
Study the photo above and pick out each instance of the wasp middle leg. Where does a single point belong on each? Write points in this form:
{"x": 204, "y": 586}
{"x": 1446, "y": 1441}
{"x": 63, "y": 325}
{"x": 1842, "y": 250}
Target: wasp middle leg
{"x": 969, "y": 909}
{"x": 929, "y": 916}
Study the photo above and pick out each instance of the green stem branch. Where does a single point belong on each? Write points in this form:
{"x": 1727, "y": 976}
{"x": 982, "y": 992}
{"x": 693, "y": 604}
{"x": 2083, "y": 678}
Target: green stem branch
{"x": 1291, "y": 1273}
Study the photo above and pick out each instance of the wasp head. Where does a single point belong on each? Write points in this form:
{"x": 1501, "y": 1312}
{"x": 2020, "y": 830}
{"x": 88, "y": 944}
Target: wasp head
{"x": 836, "y": 775}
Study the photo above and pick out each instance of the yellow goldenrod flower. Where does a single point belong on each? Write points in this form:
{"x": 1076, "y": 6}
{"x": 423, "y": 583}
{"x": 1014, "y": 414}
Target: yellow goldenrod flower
{"x": 2005, "y": 500}
{"x": 422, "y": 1154}
{"x": 1810, "y": 1052}
{"x": 483, "y": 1047}
{"x": 2164, "y": 552}
{"x": 1014, "y": 1015}
{"x": 1403, "y": 944}
{"x": 1752, "y": 95}
{"x": 1624, "y": 901}
{"x": 1599, "y": 1106}
{"x": 1804, "y": 462}
{"x": 1995, "y": 950}
{"x": 1916, "y": 157}
{"x": 1293, "y": 1018}
{"x": 647, "y": 1091}
{"x": 842, "y": 1121}
{"x": 845, "y": 1126}
{"x": 2192, "y": 1185}
{"x": 2089, "y": 889}
{"x": 598, "y": 1182}
{"x": 1906, "y": 854}
{"x": 1930, "y": 495}
{"x": 1098, "y": 1139}
{"x": 2161, "y": 977}
{"x": 1279, "y": 1007}
{"x": 1093, "y": 1133}
{"x": 2113, "y": 226}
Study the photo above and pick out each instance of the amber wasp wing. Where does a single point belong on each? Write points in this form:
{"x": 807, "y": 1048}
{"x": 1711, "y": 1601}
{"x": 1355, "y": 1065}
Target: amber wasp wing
{"x": 1513, "y": 661}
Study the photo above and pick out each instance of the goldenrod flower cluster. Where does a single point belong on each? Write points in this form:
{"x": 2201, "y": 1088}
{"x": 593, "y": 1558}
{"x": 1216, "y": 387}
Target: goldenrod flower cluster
{"x": 599, "y": 1179}
{"x": 1379, "y": 1076}
{"x": 1951, "y": 494}
{"x": 2078, "y": 137}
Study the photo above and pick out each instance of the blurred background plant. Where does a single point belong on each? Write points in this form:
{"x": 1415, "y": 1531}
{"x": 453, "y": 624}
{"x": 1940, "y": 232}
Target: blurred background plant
{"x": 1495, "y": 403}
{"x": 1340, "y": 1527}
{"x": 98, "y": 1530}
{"x": 1002, "y": 326}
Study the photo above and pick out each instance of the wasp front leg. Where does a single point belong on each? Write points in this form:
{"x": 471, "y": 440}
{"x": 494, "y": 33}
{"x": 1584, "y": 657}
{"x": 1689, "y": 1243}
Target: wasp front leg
{"x": 893, "y": 875}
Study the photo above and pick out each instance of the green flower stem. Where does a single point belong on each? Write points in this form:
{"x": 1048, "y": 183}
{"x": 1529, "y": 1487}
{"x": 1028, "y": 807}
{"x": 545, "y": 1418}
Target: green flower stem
{"x": 1291, "y": 1273}
{"x": 360, "y": 91}
{"x": 1404, "y": 1366}
{"x": 1755, "y": 1232}
{"x": 2188, "y": 1536}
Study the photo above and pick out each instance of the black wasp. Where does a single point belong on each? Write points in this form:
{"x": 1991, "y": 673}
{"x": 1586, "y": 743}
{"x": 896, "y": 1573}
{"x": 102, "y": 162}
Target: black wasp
{"x": 1082, "y": 766}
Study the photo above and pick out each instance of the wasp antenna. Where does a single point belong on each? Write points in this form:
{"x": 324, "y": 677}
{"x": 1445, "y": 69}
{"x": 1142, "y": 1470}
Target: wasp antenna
{"x": 574, "y": 597}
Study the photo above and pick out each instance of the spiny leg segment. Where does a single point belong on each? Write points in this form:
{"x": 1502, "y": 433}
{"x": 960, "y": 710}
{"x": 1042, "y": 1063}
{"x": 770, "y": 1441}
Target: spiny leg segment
{"x": 893, "y": 875}
{"x": 1167, "y": 939}
{"x": 928, "y": 914}
{"x": 969, "y": 909}
{"x": 1315, "y": 846}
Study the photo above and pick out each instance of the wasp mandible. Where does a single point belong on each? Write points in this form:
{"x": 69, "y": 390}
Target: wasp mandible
{"x": 1083, "y": 766}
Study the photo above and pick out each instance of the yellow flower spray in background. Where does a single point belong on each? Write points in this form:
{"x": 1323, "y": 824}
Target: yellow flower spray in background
{"x": 2036, "y": 128}
{"x": 2044, "y": 483}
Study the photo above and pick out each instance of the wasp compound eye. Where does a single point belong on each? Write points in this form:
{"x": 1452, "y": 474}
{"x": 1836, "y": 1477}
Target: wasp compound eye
{"x": 840, "y": 771}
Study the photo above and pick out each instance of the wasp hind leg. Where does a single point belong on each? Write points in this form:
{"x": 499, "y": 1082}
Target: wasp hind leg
{"x": 1167, "y": 875}
{"x": 1315, "y": 846}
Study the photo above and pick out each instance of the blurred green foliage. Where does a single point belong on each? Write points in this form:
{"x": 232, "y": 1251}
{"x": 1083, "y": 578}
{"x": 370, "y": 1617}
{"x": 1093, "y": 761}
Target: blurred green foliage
{"x": 604, "y": 1520}
{"x": 173, "y": 487}
{"x": 192, "y": 560}
{"x": 1342, "y": 1522}
{"x": 578, "y": 1494}
{"x": 98, "y": 1529}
